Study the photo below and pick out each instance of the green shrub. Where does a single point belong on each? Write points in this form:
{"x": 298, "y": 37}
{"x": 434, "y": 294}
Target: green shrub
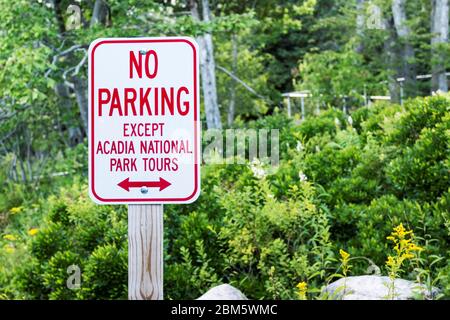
{"x": 329, "y": 121}
{"x": 269, "y": 236}
{"x": 105, "y": 273}
{"x": 77, "y": 232}
{"x": 334, "y": 160}
{"x": 422, "y": 170}
{"x": 55, "y": 275}
{"x": 419, "y": 114}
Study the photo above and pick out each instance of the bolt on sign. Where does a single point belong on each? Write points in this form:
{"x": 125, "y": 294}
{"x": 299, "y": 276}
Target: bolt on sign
{"x": 144, "y": 129}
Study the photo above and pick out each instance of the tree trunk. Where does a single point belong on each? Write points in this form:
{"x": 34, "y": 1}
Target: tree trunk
{"x": 439, "y": 29}
{"x": 13, "y": 170}
{"x": 207, "y": 69}
{"x": 75, "y": 135}
{"x": 80, "y": 88}
{"x": 407, "y": 57}
{"x": 101, "y": 13}
{"x": 61, "y": 90}
{"x": 360, "y": 18}
{"x": 232, "y": 105}
{"x": 59, "y": 16}
{"x": 390, "y": 50}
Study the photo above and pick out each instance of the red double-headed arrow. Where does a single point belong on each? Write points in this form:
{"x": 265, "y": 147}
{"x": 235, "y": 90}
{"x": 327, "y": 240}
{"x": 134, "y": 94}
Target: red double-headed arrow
{"x": 127, "y": 184}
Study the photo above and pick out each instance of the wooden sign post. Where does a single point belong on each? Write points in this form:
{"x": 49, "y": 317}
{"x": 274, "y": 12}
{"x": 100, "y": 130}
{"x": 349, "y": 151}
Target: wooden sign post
{"x": 145, "y": 251}
{"x": 144, "y": 141}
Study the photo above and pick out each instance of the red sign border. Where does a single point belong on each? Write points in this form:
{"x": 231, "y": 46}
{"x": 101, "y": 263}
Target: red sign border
{"x": 196, "y": 121}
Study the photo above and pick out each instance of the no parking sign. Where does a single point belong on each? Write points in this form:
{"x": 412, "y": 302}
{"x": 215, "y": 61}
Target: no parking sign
{"x": 144, "y": 130}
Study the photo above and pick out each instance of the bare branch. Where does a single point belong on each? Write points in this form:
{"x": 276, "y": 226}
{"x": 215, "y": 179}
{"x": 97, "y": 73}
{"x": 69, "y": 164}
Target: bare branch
{"x": 246, "y": 86}
{"x": 6, "y": 116}
{"x": 75, "y": 69}
{"x": 7, "y": 136}
{"x": 73, "y": 48}
{"x": 80, "y": 64}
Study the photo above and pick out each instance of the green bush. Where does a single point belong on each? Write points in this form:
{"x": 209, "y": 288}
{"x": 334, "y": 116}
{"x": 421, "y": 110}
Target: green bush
{"x": 419, "y": 114}
{"x": 329, "y": 121}
{"x": 422, "y": 170}
{"x": 77, "y": 232}
{"x": 105, "y": 273}
{"x": 259, "y": 242}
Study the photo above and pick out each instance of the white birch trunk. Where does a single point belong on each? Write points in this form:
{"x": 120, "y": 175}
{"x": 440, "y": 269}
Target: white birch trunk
{"x": 207, "y": 68}
{"x": 232, "y": 105}
{"x": 391, "y": 57}
{"x": 81, "y": 93}
{"x": 360, "y": 19}
{"x": 439, "y": 29}
{"x": 100, "y": 13}
{"x": 407, "y": 55}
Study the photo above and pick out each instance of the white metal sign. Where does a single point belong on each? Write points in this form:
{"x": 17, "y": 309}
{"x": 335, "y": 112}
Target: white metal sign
{"x": 144, "y": 126}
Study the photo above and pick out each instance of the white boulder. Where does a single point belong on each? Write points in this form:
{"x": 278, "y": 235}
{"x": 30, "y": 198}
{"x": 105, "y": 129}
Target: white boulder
{"x": 373, "y": 287}
{"x": 223, "y": 292}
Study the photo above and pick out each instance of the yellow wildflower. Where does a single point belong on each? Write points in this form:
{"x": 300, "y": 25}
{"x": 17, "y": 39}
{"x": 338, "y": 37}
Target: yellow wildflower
{"x": 414, "y": 247}
{"x": 344, "y": 255}
{"x": 404, "y": 246}
{"x": 404, "y": 242}
{"x": 399, "y": 233}
{"x": 407, "y": 256}
{"x": 33, "y": 231}
{"x": 9, "y": 249}
{"x": 302, "y": 289}
{"x": 302, "y": 286}
{"x": 10, "y": 237}
{"x": 15, "y": 210}
{"x": 390, "y": 261}
{"x": 345, "y": 258}
{"x": 392, "y": 238}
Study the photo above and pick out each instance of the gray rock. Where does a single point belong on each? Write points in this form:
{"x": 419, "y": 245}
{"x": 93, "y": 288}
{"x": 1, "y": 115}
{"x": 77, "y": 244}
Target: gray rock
{"x": 373, "y": 287}
{"x": 223, "y": 292}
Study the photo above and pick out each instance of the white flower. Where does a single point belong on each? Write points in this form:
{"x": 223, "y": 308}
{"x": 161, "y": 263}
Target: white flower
{"x": 299, "y": 146}
{"x": 337, "y": 122}
{"x": 350, "y": 120}
{"x": 258, "y": 172}
{"x": 257, "y": 169}
{"x": 302, "y": 176}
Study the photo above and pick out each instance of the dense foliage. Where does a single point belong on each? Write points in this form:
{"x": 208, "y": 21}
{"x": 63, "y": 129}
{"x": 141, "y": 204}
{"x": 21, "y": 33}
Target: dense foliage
{"x": 342, "y": 183}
